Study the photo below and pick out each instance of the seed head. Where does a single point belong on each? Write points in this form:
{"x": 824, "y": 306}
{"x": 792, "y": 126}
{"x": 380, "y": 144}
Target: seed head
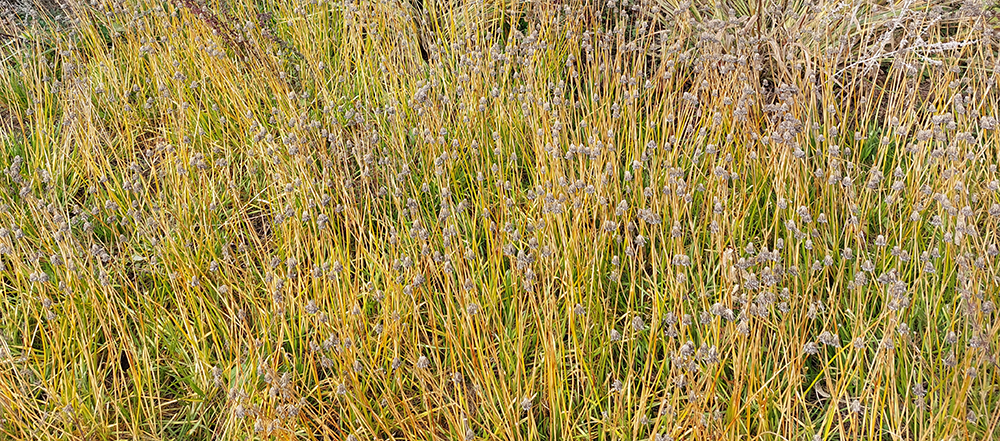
{"x": 526, "y": 404}
{"x": 855, "y": 406}
{"x": 705, "y": 318}
{"x": 829, "y": 339}
{"x": 638, "y": 324}
{"x": 858, "y": 343}
{"x": 616, "y": 386}
{"x": 810, "y": 348}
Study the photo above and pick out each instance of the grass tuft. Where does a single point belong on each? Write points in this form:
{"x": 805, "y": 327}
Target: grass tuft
{"x": 437, "y": 219}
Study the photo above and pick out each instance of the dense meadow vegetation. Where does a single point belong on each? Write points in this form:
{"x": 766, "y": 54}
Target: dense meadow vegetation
{"x": 499, "y": 219}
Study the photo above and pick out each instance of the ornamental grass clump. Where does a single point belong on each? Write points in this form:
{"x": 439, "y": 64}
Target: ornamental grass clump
{"x": 381, "y": 220}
